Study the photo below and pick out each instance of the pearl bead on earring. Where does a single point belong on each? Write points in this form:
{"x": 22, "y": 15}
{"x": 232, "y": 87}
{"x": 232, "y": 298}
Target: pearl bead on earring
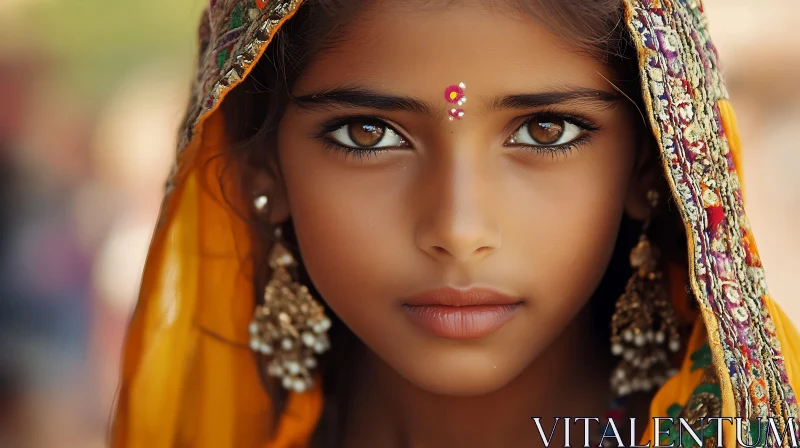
{"x": 260, "y": 203}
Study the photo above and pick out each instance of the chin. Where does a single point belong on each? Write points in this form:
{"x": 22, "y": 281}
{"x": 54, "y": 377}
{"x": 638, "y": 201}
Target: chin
{"x": 460, "y": 374}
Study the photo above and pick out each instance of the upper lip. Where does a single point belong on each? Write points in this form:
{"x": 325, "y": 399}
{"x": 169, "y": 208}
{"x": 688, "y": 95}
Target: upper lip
{"x": 461, "y": 297}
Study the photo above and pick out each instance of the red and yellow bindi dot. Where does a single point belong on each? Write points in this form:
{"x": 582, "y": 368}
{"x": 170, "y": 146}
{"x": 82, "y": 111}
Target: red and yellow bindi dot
{"x": 455, "y": 95}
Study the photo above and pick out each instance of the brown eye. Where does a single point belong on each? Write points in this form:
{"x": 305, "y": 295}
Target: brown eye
{"x": 367, "y": 134}
{"x": 546, "y": 132}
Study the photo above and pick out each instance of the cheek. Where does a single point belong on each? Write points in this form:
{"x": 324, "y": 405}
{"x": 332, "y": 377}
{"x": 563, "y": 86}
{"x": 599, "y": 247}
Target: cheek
{"x": 566, "y": 233}
{"x": 347, "y": 223}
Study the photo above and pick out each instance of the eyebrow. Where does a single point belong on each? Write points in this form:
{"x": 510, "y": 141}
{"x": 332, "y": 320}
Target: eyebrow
{"x": 543, "y": 99}
{"x": 357, "y": 97}
{"x": 364, "y": 98}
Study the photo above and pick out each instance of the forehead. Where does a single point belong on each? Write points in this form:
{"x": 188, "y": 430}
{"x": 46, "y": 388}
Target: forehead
{"x": 401, "y": 45}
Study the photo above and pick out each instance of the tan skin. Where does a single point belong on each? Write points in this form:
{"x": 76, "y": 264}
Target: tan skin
{"x": 460, "y": 204}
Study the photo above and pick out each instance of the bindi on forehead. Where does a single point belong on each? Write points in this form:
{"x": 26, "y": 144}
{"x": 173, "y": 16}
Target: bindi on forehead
{"x": 456, "y": 94}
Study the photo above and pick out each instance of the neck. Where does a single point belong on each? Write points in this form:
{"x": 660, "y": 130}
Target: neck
{"x": 569, "y": 379}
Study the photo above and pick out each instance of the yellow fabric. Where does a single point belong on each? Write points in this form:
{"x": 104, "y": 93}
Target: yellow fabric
{"x": 189, "y": 377}
{"x": 790, "y": 341}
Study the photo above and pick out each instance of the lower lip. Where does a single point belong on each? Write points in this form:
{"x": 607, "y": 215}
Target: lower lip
{"x": 460, "y": 322}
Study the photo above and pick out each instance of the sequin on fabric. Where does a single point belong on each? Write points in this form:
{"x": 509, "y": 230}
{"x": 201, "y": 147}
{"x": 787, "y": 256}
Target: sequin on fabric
{"x": 682, "y": 87}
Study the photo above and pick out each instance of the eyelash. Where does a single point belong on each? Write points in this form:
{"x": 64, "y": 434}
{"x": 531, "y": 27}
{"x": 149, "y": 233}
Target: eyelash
{"x": 554, "y": 151}
{"x": 359, "y": 153}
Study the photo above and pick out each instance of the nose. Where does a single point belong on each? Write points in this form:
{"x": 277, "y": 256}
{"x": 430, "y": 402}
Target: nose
{"x": 457, "y": 223}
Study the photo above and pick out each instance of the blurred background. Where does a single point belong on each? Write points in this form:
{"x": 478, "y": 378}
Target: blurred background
{"x": 91, "y": 94}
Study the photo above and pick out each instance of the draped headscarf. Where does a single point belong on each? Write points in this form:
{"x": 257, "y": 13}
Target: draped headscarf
{"x": 189, "y": 379}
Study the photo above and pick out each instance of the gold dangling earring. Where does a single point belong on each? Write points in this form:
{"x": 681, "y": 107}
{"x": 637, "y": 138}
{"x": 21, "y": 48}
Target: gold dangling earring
{"x": 644, "y": 321}
{"x": 290, "y": 325}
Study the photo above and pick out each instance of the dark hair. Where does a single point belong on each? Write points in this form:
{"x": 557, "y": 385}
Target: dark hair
{"x": 254, "y": 109}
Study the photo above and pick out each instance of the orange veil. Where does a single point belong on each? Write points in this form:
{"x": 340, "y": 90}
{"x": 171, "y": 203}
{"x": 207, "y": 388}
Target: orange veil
{"x": 189, "y": 379}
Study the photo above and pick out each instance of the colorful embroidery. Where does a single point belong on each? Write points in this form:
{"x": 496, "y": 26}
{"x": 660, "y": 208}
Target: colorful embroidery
{"x": 682, "y": 87}
{"x": 237, "y": 19}
{"x": 233, "y": 33}
{"x": 701, "y": 358}
{"x": 222, "y": 56}
{"x": 705, "y": 402}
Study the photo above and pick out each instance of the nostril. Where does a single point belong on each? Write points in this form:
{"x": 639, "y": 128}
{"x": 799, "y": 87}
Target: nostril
{"x": 482, "y": 250}
{"x": 438, "y": 250}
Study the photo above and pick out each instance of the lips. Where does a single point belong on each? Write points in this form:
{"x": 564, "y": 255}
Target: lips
{"x": 461, "y": 314}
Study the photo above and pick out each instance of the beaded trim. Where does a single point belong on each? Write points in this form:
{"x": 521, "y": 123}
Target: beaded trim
{"x": 682, "y": 86}
{"x": 233, "y": 34}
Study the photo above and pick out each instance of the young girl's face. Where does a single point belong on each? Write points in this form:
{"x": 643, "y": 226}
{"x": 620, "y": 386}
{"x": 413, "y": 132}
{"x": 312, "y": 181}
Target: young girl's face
{"x": 511, "y": 211}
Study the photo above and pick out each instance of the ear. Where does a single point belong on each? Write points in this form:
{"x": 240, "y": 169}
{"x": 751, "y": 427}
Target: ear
{"x": 646, "y": 176}
{"x": 268, "y": 181}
